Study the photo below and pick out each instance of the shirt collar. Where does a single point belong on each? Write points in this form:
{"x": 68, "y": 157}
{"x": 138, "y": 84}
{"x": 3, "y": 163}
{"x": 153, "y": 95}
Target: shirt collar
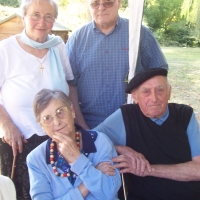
{"x": 88, "y": 144}
{"x": 117, "y": 26}
{"x": 162, "y": 119}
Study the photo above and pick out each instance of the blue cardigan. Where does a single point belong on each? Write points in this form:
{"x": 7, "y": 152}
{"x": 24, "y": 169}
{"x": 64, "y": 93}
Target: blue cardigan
{"x": 46, "y": 185}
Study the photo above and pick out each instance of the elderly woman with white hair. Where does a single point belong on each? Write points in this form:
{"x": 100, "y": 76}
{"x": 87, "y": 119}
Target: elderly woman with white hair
{"x": 30, "y": 61}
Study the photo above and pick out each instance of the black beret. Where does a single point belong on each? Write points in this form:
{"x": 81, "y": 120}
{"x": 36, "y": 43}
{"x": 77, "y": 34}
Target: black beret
{"x": 143, "y": 76}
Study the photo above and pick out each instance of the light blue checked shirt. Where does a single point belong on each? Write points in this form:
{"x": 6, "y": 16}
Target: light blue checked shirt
{"x": 100, "y": 64}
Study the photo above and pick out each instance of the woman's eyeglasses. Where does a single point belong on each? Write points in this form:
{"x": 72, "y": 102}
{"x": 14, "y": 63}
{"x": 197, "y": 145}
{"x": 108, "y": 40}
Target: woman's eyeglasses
{"x": 61, "y": 113}
{"x": 38, "y": 17}
{"x": 107, "y": 4}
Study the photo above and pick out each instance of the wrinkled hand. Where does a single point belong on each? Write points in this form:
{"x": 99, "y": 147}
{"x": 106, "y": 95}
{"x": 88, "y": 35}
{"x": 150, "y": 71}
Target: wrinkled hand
{"x": 106, "y": 168}
{"x": 67, "y": 147}
{"x": 14, "y": 138}
{"x": 131, "y": 161}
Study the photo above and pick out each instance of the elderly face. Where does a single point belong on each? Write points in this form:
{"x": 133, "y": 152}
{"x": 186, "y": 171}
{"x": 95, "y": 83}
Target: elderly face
{"x": 104, "y": 16}
{"x": 38, "y": 30}
{"x": 57, "y": 118}
{"x": 152, "y": 96}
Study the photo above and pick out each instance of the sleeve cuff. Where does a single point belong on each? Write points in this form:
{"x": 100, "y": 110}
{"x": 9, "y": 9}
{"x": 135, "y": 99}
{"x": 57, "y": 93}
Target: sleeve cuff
{"x": 76, "y": 194}
{"x": 78, "y": 166}
{"x": 72, "y": 82}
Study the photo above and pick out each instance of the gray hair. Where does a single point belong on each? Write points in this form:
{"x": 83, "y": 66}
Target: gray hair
{"x": 26, "y": 3}
{"x": 167, "y": 83}
{"x": 43, "y": 98}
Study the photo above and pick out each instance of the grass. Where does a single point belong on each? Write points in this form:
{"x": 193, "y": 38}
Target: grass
{"x": 184, "y": 75}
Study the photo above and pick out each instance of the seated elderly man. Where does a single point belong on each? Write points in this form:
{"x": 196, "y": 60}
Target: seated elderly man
{"x": 162, "y": 152}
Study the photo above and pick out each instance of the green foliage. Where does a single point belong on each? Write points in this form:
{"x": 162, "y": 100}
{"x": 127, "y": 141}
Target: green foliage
{"x": 178, "y": 34}
{"x": 161, "y": 13}
{"x": 124, "y": 4}
{"x": 170, "y": 26}
{"x": 13, "y": 3}
{"x": 63, "y": 3}
{"x": 191, "y": 41}
{"x": 191, "y": 11}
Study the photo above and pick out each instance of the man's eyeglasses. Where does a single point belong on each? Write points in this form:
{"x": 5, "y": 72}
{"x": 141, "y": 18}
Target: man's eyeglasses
{"x": 38, "y": 17}
{"x": 107, "y": 4}
{"x": 61, "y": 113}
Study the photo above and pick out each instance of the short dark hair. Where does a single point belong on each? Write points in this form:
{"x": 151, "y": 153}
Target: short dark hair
{"x": 43, "y": 98}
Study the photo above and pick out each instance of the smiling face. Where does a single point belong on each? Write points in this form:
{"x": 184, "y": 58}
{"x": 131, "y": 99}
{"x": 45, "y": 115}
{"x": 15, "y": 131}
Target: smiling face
{"x": 38, "y": 30}
{"x": 105, "y": 16}
{"x": 152, "y": 96}
{"x": 64, "y": 126}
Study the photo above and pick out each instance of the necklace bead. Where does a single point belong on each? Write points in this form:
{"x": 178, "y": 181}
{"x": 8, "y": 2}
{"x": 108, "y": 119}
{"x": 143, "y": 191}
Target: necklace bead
{"x": 52, "y": 145}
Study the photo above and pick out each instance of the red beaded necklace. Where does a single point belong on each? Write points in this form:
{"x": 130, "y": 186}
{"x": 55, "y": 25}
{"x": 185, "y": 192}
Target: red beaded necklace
{"x": 65, "y": 174}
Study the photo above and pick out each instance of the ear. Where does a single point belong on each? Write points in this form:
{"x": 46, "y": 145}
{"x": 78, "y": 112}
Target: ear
{"x": 169, "y": 92}
{"x": 43, "y": 127}
{"x": 23, "y": 21}
{"x": 119, "y": 3}
{"x": 134, "y": 96}
{"x": 72, "y": 110}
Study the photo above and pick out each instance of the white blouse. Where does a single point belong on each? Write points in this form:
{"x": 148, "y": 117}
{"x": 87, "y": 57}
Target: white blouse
{"x": 21, "y": 79}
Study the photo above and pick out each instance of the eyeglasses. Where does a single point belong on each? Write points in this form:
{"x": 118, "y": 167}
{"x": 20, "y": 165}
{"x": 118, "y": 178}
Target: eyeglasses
{"x": 107, "y": 4}
{"x": 38, "y": 17}
{"x": 61, "y": 113}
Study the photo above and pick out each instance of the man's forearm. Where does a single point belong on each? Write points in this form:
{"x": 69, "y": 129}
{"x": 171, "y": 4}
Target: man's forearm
{"x": 189, "y": 171}
{"x": 73, "y": 95}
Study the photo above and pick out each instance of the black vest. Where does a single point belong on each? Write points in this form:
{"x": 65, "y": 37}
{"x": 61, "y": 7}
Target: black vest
{"x": 165, "y": 144}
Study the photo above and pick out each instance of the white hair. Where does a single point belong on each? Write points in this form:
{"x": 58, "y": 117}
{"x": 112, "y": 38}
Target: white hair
{"x": 25, "y": 4}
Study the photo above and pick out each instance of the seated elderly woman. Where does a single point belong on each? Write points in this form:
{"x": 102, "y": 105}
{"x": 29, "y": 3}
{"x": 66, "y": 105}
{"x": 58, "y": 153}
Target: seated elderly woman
{"x": 73, "y": 163}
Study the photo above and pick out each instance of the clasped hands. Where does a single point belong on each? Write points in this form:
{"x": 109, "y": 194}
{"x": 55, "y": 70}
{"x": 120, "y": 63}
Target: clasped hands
{"x": 130, "y": 161}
